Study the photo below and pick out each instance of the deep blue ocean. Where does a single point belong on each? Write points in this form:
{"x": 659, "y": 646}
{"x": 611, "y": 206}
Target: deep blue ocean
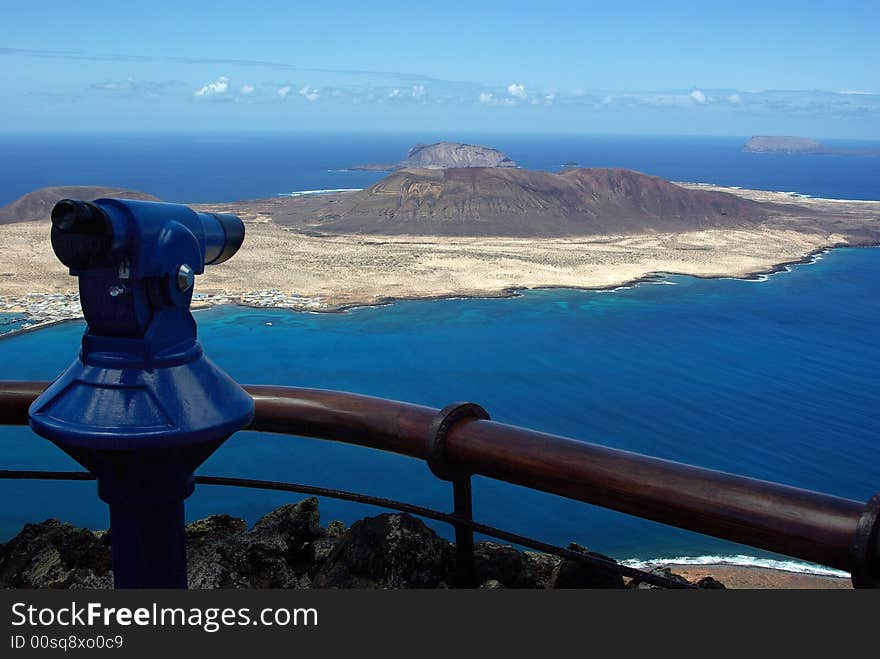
{"x": 227, "y": 167}
{"x": 774, "y": 378}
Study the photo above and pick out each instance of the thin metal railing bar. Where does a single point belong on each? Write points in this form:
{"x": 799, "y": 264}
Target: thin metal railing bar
{"x": 815, "y": 527}
{"x": 24, "y": 474}
{"x": 587, "y": 557}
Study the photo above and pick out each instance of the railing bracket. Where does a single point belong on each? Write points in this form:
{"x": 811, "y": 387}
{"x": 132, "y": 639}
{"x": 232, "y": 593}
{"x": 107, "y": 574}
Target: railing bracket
{"x": 436, "y": 457}
{"x": 439, "y": 465}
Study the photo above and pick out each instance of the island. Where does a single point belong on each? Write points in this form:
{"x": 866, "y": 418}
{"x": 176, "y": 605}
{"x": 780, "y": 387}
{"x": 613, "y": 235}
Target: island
{"x": 783, "y": 144}
{"x": 466, "y": 231}
{"x": 444, "y": 155}
{"x": 799, "y": 145}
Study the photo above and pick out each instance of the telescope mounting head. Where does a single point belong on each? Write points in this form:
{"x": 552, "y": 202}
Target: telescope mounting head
{"x": 136, "y": 262}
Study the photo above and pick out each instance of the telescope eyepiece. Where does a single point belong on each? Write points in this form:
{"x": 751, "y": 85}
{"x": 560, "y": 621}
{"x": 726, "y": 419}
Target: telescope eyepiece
{"x": 73, "y": 215}
{"x": 81, "y": 233}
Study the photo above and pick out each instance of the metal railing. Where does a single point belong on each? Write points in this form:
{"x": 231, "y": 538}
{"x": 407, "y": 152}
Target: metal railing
{"x": 460, "y": 441}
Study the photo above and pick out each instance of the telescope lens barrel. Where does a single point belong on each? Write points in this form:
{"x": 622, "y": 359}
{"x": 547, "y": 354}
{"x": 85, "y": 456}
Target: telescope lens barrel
{"x": 83, "y": 232}
{"x": 224, "y": 234}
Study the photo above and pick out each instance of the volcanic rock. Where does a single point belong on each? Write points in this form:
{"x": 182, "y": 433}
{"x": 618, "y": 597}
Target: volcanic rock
{"x": 387, "y": 551}
{"x": 53, "y": 554}
{"x": 572, "y": 573}
{"x": 288, "y": 548}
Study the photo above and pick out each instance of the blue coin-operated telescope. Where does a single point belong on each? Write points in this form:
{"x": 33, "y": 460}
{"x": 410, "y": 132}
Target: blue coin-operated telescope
{"x": 141, "y": 407}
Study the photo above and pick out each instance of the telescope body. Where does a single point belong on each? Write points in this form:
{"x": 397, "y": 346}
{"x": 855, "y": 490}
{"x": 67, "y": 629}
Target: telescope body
{"x": 141, "y": 406}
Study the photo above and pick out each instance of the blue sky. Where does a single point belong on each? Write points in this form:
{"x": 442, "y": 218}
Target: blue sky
{"x": 636, "y": 67}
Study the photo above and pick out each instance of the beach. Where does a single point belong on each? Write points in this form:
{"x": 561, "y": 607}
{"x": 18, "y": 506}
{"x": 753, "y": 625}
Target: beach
{"x": 747, "y": 577}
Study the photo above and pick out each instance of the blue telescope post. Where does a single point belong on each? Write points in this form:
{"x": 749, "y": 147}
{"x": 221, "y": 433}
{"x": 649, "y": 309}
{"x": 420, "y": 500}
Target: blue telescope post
{"x": 141, "y": 407}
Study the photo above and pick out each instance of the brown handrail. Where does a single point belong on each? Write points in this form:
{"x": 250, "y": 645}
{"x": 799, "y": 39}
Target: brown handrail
{"x": 808, "y": 525}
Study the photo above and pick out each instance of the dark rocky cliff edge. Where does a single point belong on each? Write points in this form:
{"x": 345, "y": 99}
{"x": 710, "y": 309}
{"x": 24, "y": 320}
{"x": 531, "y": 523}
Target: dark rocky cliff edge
{"x": 288, "y": 548}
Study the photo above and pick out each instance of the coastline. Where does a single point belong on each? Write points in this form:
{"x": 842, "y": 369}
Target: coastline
{"x": 252, "y": 299}
{"x": 744, "y": 571}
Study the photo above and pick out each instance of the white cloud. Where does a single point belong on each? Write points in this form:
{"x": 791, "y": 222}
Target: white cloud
{"x": 126, "y": 84}
{"x": 309, "y": 93}
{"x": 219, "y": 86}
{"x": 512, "y": 96}
{"x": 137, "y": 88}
{"x": 652, "y": 99}
{"x": 488, "y": 98}
{"x": 809, "y": 101}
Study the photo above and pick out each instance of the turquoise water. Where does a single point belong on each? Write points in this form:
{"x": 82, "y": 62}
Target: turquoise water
{"x": 10, "y": 322}
{"x": 775, "y": 379}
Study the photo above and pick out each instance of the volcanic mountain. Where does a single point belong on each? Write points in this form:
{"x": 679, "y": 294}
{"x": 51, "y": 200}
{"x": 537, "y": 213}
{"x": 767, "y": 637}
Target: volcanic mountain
{"x": 445, "y": 155}
{"x": 519, "y": 202}
{"x": 37, "y": 205}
